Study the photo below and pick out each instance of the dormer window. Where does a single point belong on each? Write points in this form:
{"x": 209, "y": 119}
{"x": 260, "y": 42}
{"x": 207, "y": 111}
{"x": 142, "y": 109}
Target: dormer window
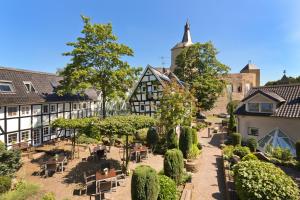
{"x": 266, "y": 107}
{"x": 6, "y": 86}
{"x": 29, "y": 86}
{"x": 253, "y": 107}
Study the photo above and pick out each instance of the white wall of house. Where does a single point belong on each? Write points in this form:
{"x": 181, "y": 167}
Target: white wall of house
{"x": 265, "y": 125}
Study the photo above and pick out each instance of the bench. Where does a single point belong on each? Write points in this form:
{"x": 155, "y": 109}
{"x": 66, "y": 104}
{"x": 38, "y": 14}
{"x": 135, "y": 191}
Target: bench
{"x": 187, "y": 192}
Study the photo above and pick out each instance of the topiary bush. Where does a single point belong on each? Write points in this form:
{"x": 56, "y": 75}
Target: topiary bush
{"x": 5, "y": 184}
{"x": 298, "y": 149}
{"x": 193, "y": 154}
{"x": 152, "y": 137}
{"x": 144, "y": 183}
{"x": 252, "y": 144}
{"x": 261, "y": 180}
{"x": 195, "y": 136}
{"x": 241, "y": 151}
{"x": 168, "y": 190}
{"x": 172, "y": 141}
{"x": 236, "y": 139}
{"x": 250, "y": 156}
{"x": 228, "y": 152}
{"x": 173, "y": 165}
{"x": 186, "y": 140}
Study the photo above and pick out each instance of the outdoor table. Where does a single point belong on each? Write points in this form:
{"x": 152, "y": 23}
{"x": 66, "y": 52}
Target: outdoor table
{"x": 137, "y": 150}
{"x": 101, "y": 176}
{"x": 58, "y": 161}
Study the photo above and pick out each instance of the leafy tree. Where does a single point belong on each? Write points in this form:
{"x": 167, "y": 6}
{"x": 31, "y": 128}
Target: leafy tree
{"x": 176, "y": 106}
{"x": 10, "y": 161}
{"x": 96, "y": 63}
{"x": 284, "y": 80}
{"x": 198, "y": 66}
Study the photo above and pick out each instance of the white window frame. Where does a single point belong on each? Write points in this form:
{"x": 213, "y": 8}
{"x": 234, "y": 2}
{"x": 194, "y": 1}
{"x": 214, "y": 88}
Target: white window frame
{"x": 250, "y": 131}
{"x": 28, "y": 138}
{"x": 46, "y": 132}
{"x": 141, "y": 108}
{"x": 44, "y": 110}
{"x": 31, "y": 87}
{"x": 26, "y": 111}
{"x": 272, "y": 109}
{"x": 9, "y": 84}
{"x": 53, "y": 106}
{"x": 12, "y": 114}
{"x": 75, "y": 107}
{"x": 17, "y": 138}
{"x": 255, "y": 111}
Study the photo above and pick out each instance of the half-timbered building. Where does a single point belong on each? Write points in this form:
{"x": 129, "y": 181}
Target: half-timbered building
{"x": 28, "y": 104}
{"x": 145, "y": 96}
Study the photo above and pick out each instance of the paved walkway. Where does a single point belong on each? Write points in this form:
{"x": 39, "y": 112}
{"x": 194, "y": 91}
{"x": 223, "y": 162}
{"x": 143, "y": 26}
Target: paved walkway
{"x": 209, "y": 181}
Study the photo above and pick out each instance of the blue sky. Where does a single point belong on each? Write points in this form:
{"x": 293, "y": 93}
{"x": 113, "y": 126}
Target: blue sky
{"x": 33, "y": 33}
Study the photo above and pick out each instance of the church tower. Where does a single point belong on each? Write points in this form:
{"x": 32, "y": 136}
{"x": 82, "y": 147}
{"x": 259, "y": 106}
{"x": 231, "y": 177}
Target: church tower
{"x": 186, "y": 41}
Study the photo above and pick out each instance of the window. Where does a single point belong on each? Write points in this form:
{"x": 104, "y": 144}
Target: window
{"x": 240, "y": 89}
{"x": 6, "y": 87}
{"x": 154, "y": 88}
{"x": 84, "y": 105}
{"x": 253, "y": 107}
{"x": 46, "y": 130}
{"x": 142, "y": 108}
{"x": 253, "y": 131}
{"x": 266, "y": 107}
{"x": 74, "y": 106}
{"x": 143, "y": 89}
{"x": 25, "y": 110}
{"x": 24, "y": 135}
{"x": 52, "y": 108}
{"x": 45, "y": 109}
{"x": 29, "y": 86}
{"x": 12, "y": 111}
{"x": 12, "y": 138}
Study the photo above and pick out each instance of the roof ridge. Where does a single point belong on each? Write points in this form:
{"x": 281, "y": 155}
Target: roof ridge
{"x": 282, "y": 85}
{"x": 27, "y": 70}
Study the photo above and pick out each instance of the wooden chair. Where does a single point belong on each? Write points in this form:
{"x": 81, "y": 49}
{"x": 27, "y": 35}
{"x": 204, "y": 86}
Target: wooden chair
{"x": 103, "y": 187}
{"x": 88, "y": 180}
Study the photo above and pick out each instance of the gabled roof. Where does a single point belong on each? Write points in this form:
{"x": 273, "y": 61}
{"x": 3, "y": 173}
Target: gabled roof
{"x": 44, "y": 84}
{"x": 288, "y": 97}
{"x": 268, "y": 94}
{"x": 164, "y": 76}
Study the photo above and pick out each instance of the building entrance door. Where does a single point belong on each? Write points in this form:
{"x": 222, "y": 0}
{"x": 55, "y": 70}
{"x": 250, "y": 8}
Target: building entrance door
{"x": 37, "y": 137}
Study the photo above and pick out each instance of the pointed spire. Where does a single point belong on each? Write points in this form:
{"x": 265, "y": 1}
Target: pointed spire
{"x": 187, "y": 34}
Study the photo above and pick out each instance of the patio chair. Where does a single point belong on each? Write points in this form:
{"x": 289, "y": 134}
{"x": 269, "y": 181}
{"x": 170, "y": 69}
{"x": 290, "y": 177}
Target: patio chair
{"x": 88, "y": 180}
{"x": 50, "y": 168}
{"x": 143, "y": 155}
{"x": 120, "y": 176}
{"x": 103, "y": 187}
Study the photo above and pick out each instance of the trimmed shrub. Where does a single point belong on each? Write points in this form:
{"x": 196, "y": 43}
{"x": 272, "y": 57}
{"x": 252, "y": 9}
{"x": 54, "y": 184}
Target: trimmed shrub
{"x": 195, "y": 136}
{"x": 241, "y": 151}
{"x": 141, "y": 134}
{"x": 250, "y": 156}
{"x": 172, "y": 141}
{"x": 152, "y": 137}
{"x": 261, "y": 180}
{"x": 10, "y": 162}
{"x": 144, "y": 183}
{"x": 193, "y": 154}
{"x": 280, "y": 153}
{"x": 168, "y": 188}
{"x": 228, "y": 152}
{"x": 236, "y": 139}
{"x": 173, "y": 165}
{"x": 252, "y": 144}
{"x": 186, "y": 140}
{"x": 49, "y": 196}
{"x": 298, "y": 149}
{"x": 5, "y": 184}
{"x": 23, "y": 191}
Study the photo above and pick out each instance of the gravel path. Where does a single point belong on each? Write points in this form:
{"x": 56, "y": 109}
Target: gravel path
{"x": 209, "y": 181}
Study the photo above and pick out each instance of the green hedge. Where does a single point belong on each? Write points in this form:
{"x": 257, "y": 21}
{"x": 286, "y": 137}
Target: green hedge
{"x": 186, "y": 140}
{"x": 168, "y": 190}
{"x": 144, "y": 184}
{"x": 236, "y": 139}
{"x": 10, "y": 161}
{"x": 5, "y": 184}
{"x": 172, "y": 141}
{"x": 261, "y": 180}
{"x": 152, "y": 137}
{"x": 173, "y": 165}
{"x": 241, "y": 151}
{"x": 23, "y": 191}
{"x": 193, "y": 154}
{"x": 195, "y": 136}
{"x": 250, "y": 156}
{"x": 252, "y": 144}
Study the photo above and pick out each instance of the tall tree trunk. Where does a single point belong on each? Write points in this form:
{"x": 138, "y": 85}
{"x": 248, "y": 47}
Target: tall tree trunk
{"x": 104, "y": 105}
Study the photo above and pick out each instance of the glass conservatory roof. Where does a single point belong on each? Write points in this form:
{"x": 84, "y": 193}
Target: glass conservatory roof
{"x": 277, "y": 139}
